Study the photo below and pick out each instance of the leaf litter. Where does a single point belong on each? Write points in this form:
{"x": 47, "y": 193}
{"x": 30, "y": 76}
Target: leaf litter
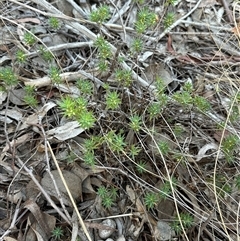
{"x": 201, "y": 47}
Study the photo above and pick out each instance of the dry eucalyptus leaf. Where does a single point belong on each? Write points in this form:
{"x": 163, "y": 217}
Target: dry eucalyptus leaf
{"x": 34, "y": 118}
{"x": 73, "y": 181}
{"x": 67, "y": 131}
{"x": 16, "y": 96}
{"x": 158, "y": 70}
{"x": 12, "y": 113}
{"x": 41, "y": 222}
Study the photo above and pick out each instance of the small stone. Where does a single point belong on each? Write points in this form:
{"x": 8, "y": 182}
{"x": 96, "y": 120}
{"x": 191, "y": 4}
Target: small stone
{"x": 109, "y": 239}
{"x": 104, "y": 233}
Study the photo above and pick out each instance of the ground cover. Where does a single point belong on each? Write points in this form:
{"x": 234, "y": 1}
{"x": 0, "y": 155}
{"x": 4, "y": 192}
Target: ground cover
{"x": 119, "y": 120}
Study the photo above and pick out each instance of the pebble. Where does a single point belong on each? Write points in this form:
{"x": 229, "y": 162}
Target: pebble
{"x": 104, "y": 234}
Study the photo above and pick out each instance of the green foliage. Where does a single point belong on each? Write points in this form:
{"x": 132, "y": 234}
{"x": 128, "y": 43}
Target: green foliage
{"x": 187, "y": 221}
{"x": 171, "y": 2}
{"x": 141, "y": 166}
{"x": 54, "y": 74}
{"x": 160, "y": 86}
{"x": 229, "y": 146}
{"x": 77, "y": 109}
{"x": 29, "y": 97}
{"x": 164, "y": 147}
{"x": 21, "y": 56}
{"x": 136, "y": 46}
{"x": 134, "y": 150}
{"x": 235, "y": 114}
{"x": 136, "y": 122}
{"x": 46, "y": 55}
{"x": 169, "y": 20}
{"x": 115, "y": 142}
{"x": 154, "y": 110}
{"x": 57, "y": 233}
{"x": 100, "y": 15}
{"x": 166, "y": 190}
{"x": 86, "y": 119}
{"x": 237, "y": 182}
{"x": 108, "y": 196}
{"x": 29, "y": 38}
{"x": 178, "y": 130}
{"x": 201, "y": 103}
{"x": 103, "y": 65}
{"x": 124, "y": 76}
{"x": 8, "y": 77}
{"x": 150, "y": 200}
{"x": 145, "y": 19}
{"x": 92, "y": 143}
{"x": 89, "y": 158}
{"x": 183, "y": 97}
{"x": 113, "y": 100}
{"x": 54, "y": 23}
{"x": 85, "y": 86}
{"x": 223, "y": 187}
{"x": 104, "y": 49}
{"x": 139, "y": 1}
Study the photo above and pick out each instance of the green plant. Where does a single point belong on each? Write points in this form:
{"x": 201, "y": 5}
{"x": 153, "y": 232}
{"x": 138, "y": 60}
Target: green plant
{"x": 237, "y": 181}
{"x": 124, "y": 76}
{"x": 100, "y": 15}
{"x": 150, "y": 200}
{"x": 8, "y": 77}
{"x": 46, "y": 55}
{"x": 229, "y": 146}
{"x": 166, "y": 190}
{"x": 104, "y": 49}
{"x": 54, "y": 23}
{"x": 154, "y": 110}
{"x": 139, "y": 1}
{"x": 68, "y": 106}
{"x": 103, "y": 65}
{"x": 86, "y": 119}
{"x": 235, "y": 114}
{"x": 21, "y": 56}
{"x": 134, "y": 150}
{"x": 29, "y": 38}
{"x": 89, "y": 158}
{"x": 171, "y": 2}
{"x": 57, "y": 233}
{"x": 108, "y": 196}
{"x": 136, "y": 46}
{"x": 183, "y": 97}
{"x": 54, "y": 74}
{"x": 113, "y": 100}
{"x": 29, "y": 97}
{"x": 169, "y": 20}
{"x": 178, "y": 130}
{"x": 92, "y": 143}
{"x": 141, "y": 166}
{"x": 77, "y": 109}
{"x": 160, "y": 86}
{"x": 201, "y": 103}
{"x": 186, "y": 219}
{"x": 102, "y": 191}
{"x": 145, "y": 19}
{"x": 85, "y": 86}
{"x": 135, "y": 123}
{"x": 164, "y": 147}
{"x": 115, "y": 142}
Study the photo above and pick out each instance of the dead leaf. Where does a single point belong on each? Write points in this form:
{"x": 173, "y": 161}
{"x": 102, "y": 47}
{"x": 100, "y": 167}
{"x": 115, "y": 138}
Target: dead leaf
{"x": 41, "y": 224}
{"x": 9, "y": 239}
{"x": 67, "y": 131}
{"x": 26, "y": 20}
{"x": 34, "y": 118}
{"x": 73, "y": 181}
